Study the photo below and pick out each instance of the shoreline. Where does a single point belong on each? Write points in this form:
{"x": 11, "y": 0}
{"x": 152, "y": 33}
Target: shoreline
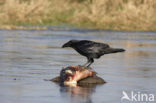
{"x": 62, "y": 27}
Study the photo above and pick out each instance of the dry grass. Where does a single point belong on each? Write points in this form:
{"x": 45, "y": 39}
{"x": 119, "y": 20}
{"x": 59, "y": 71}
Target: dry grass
{"x": 16, "y": 11}
{"x": 100, "y": 14}
{"x": 120, "y": 14}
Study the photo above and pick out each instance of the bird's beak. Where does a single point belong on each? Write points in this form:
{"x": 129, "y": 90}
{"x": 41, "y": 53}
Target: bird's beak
{"x": 68, "y": 72}
{"x": 65, "y": 45}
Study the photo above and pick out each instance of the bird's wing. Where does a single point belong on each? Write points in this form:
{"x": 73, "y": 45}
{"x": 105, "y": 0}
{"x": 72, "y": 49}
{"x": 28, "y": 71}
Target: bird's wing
{"x": 91, "y": 47}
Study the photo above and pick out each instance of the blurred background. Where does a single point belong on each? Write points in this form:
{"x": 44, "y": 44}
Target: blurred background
{"x": 128, "y": 15}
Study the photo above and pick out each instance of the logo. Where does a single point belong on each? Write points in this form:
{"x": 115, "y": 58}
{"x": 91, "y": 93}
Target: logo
{"x": 137, "y": 97}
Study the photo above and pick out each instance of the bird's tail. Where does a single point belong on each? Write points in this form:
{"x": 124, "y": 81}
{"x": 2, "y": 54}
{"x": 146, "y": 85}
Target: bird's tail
{"x": 113, "y": 50}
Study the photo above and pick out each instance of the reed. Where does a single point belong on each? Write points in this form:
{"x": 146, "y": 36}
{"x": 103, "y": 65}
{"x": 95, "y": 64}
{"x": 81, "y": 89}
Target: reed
{"x": 100, "y": 14}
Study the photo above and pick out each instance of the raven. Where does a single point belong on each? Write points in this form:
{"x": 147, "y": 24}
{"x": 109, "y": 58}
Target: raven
{"x": 91, "y": 49}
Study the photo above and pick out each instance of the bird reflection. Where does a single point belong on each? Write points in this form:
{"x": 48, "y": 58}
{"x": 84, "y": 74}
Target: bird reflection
{"x": 78, "y": 94}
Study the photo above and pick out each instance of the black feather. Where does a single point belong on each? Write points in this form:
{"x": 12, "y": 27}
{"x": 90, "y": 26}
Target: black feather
{"x": 91, "y": 49}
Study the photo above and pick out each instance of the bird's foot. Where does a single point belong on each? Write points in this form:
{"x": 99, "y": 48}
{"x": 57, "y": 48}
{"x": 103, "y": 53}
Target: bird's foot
{"x": 88, "y": 67}
{"x": 84, "y": 66}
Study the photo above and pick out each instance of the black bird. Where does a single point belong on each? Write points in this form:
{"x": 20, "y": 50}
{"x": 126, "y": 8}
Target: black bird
{"x": 91, "y": 49}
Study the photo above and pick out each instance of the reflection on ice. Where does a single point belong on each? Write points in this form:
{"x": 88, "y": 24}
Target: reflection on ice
{"x": 31, "y": 56}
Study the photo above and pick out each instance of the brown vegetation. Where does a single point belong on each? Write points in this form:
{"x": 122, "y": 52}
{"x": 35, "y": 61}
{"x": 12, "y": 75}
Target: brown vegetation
{"x": 99, "y": 14}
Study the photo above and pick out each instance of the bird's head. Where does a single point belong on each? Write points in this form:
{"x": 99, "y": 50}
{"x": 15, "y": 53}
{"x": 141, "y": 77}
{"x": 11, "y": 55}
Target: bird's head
{"x": 70, "y": 43}
{"x": 67, "y": 74}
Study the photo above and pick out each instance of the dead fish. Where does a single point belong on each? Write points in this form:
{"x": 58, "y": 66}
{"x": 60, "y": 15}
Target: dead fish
{"x": 72, "y": 74}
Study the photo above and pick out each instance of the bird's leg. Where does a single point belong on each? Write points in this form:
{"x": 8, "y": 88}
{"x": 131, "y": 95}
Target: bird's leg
{"x": 90, "y": 62}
